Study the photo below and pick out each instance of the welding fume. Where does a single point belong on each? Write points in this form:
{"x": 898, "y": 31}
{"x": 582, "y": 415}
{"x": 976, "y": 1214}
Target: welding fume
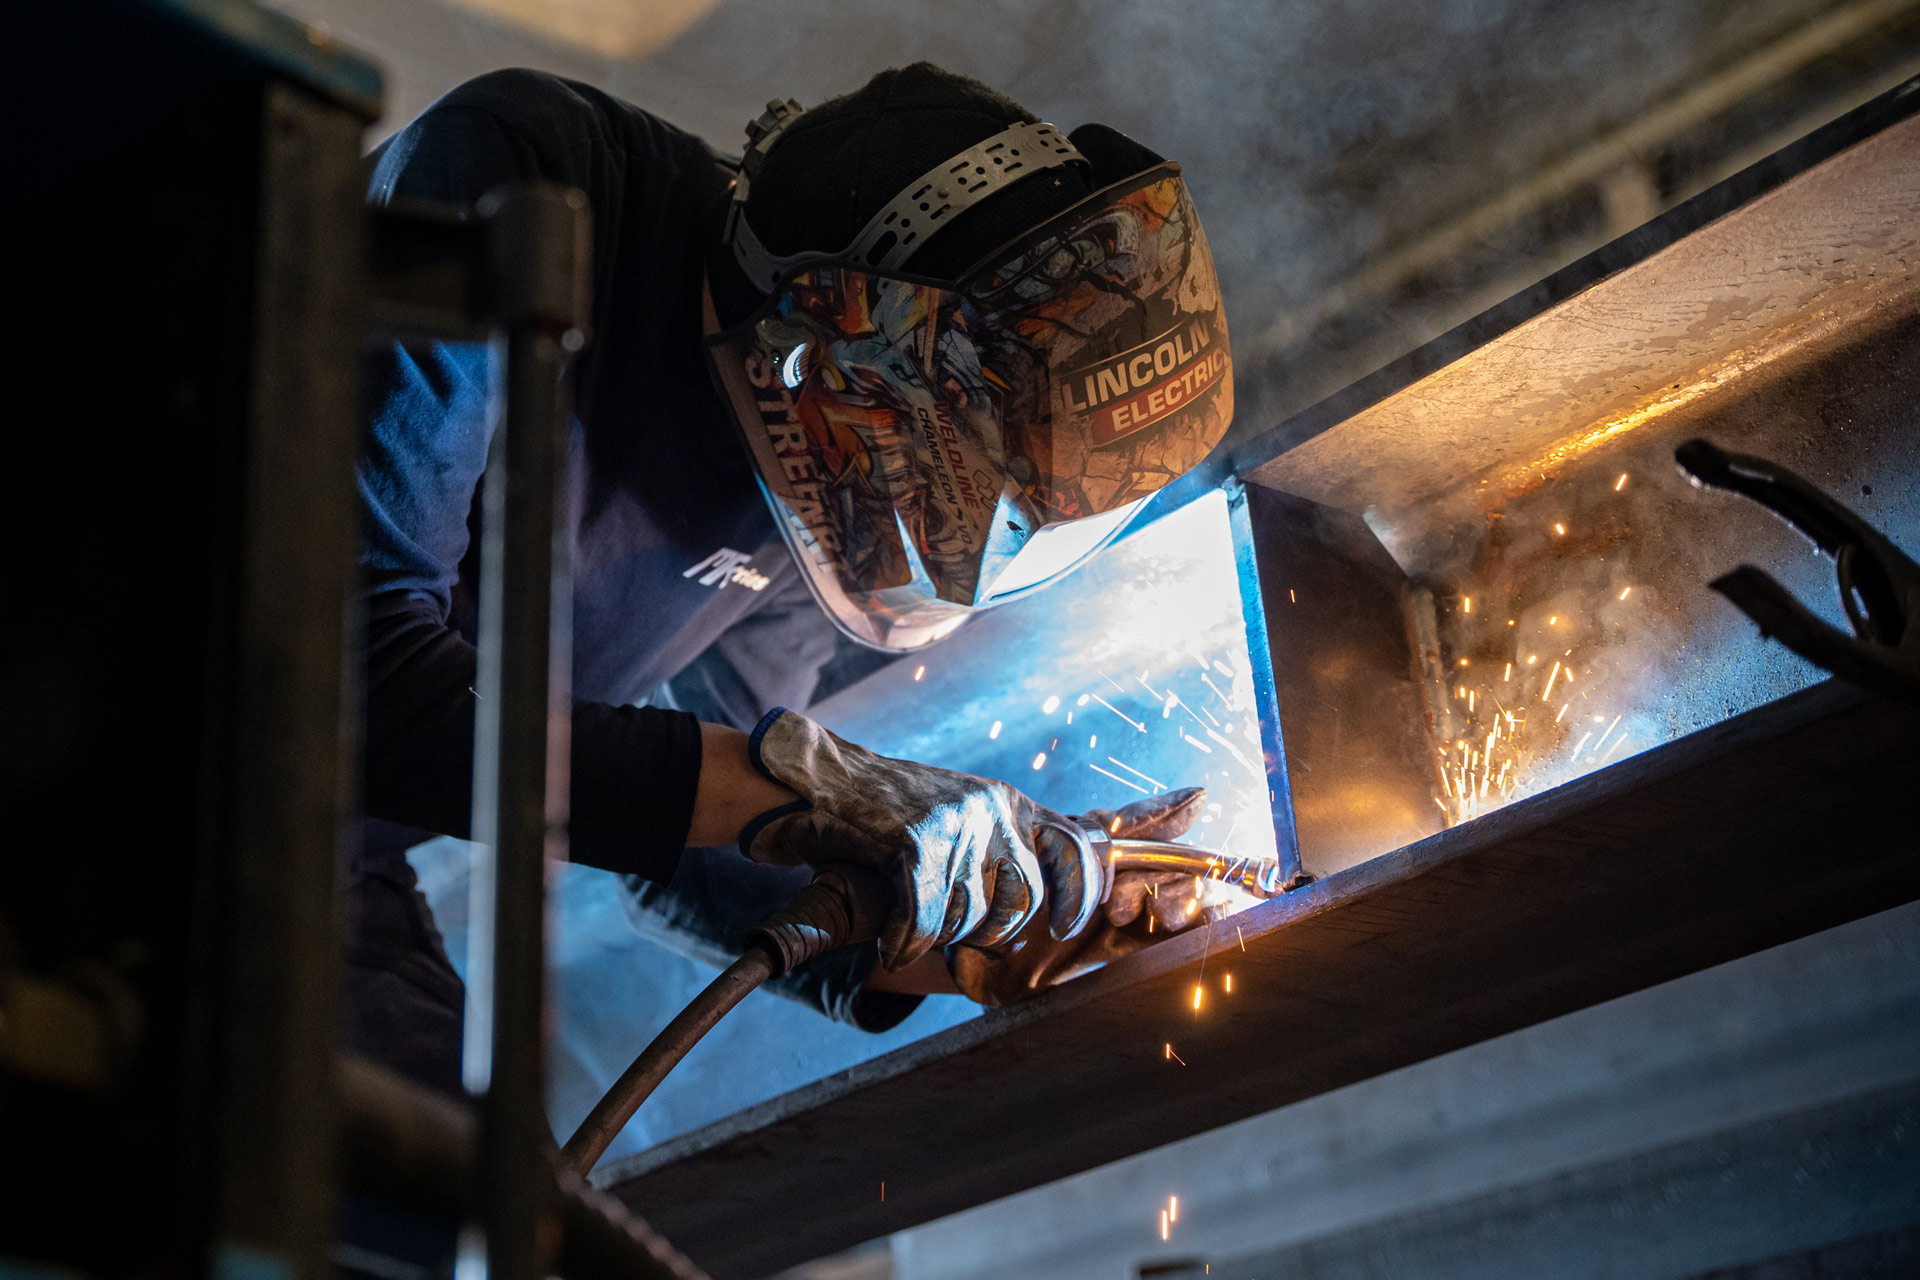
{"x": 822, "y": 396}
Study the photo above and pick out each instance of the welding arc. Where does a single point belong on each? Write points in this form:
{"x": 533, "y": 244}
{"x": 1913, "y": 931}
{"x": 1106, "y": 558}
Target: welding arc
{"x": 844, "y": 904}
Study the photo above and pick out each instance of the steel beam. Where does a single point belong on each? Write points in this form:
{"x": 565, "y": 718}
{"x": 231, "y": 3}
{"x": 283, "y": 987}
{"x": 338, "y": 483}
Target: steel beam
{"x": 1789, "y": 819}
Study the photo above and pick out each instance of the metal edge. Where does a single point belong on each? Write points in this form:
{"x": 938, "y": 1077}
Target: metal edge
{"x": 1246, "y": 566}
{"x": 309, "y": 53}
{"x": 1241, "y": 456}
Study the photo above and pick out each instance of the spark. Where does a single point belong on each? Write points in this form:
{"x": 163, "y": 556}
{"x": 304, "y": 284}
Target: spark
{"x": 1082, "y": 700}
{"x": 1463, "y": 662}
{"x": 1157, "y": 695}
{"x": 995, "y": 731}
{"x": 1625, "y": 592}
{"x": 1554, "y": 675}
{"x": 1615, "y": 747}
{"x": 1223, "y": 668}
{"x": 1231, "y": 749}
{"x": 1051, "y": 705}
{"x": 1554, "y": 621}
{"x": 1166, "y": 710}
{"x": 1242, "y": 937}
{"x": 1563, "y": 711}
{"x": 1610, "y": 729}
{"x": 1229, "y": 984}
{"x": 1069, "y": 717}
{"x": 1117, "y": 711}
{"x": 1216, "y": 690}
{"x": 1532, "y": 658}
{"x": 1581, "y": 743}
{"x": 1054, "y": 745}
{"x": 1163, "y": 1224}
{"x": 1173, "y": 1208}
{"x": 1040, "y": 760}
{"x": 1470, "y": 698}
{"x": 1157, "y": 786}
{"x": 919, "y": 671}
{"x": 1117, "y": 778}
{"x": 1560, "y": 529}
{"x": 1170, "y": 1053}
{"x": 1291, "y": 598}
{"x": 1093, "y": 740}
{"x": 1197, "y": 988}
{"x": 883, "y": 1191}
{"x": 1209, "y": 715}
{"x": 1466, "y": 604}
{"x": 1621, "y": 483}
{"x": 1509, "y": 676}
{"x": 1113, "y": 828}
{"x": 1110, "y": 680}
{"x": 1196, "y": 742}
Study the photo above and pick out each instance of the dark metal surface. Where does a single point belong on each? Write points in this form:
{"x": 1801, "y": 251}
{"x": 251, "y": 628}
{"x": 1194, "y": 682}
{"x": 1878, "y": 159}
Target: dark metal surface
{"x": 289, "y": 756}
{"x": 174, "y": 676}
{"x": 1773, "y": 825}
{"x": 1359, "y": 761}
{"x": 537, "y": 260}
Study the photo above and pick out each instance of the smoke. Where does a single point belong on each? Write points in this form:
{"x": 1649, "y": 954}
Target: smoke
{"x": 1315, "y": 135}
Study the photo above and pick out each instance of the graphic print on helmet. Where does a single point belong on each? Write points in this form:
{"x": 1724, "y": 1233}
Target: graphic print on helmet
{"x": 915, "y": 439}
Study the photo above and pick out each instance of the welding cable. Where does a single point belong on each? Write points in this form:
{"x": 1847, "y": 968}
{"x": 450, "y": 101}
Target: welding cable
{"x": 844, "y": 904}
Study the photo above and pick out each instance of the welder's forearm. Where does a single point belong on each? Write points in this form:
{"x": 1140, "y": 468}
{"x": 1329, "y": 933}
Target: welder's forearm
{"x": 731, "y": 792}
{"x": 926, "y": 976}
{"x": 634, "y": 772}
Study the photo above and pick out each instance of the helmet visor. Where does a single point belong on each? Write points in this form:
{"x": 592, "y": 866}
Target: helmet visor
{"x": 929, "y": 448}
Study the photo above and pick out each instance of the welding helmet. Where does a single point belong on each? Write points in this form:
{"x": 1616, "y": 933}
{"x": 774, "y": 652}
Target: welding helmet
{"x": 931, "y": 448}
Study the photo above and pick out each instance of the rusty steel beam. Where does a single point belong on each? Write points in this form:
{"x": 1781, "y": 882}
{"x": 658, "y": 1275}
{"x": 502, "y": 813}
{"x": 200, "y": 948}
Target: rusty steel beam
{"x": 1786, "y": 820}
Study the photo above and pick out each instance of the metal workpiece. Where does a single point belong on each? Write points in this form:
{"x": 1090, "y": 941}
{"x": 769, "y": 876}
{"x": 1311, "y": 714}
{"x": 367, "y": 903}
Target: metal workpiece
{"x": 1359, "y": 772}
{"x": 1675, "y": 860}
{"x": 411, "y": 1146}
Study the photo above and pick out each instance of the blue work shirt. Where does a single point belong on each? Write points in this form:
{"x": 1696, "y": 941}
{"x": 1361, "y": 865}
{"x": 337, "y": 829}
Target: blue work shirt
{"x": 678, "y": 573}
{"x": 674, "y": 552}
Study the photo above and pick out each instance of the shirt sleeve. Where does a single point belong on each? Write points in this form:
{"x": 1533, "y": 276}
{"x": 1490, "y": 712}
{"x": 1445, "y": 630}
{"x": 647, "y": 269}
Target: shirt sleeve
{"x": 634, "y": 770}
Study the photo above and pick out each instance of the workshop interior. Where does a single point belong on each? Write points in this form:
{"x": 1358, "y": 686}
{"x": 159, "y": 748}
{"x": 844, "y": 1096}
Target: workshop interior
{"x": 1544, "y": 630}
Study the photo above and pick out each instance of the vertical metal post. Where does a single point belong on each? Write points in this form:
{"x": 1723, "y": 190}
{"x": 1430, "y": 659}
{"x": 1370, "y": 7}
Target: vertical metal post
{"x": 537, "y": 270}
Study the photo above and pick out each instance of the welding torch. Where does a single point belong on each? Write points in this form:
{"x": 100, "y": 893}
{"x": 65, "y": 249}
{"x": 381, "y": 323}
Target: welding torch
{"x": 843, "y": 905}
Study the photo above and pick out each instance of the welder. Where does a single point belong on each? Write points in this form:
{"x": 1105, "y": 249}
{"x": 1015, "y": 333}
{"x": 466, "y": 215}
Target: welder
{"x": 913, "y": 354}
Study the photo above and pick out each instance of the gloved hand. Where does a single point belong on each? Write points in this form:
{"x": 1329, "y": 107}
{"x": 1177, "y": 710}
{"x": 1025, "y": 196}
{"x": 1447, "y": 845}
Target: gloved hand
{"x": 1142, "y": 907}
{"x": 971, "y": 858}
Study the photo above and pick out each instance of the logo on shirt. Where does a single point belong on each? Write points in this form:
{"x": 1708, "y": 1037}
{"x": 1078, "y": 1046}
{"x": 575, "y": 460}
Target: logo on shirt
{"x": 726, "y": 566}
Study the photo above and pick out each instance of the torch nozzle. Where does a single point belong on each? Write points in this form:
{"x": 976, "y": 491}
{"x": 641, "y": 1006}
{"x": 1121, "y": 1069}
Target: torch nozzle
{"x": 1258, "y": 876}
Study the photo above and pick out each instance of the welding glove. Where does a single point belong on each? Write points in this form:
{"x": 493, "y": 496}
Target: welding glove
{"x": 1141, "y": 907}
{"x": 970, "y": 858}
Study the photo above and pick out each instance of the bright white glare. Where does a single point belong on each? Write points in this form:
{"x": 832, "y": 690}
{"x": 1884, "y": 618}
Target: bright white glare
{"x": 790, "y": 368}
{"x": 1059, "y": 547}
